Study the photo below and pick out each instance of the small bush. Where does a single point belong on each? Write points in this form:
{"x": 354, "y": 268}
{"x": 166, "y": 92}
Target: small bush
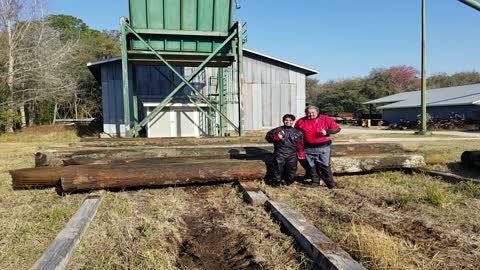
{"x": 402, "y": 200}
{"x": 329, "y": 229}
{"x": 435, "y": 159}
{"x": 438, "y": 196}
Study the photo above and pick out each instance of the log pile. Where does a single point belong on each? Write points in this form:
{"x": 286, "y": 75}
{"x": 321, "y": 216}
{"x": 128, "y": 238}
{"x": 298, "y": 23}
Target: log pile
{"x": 158, "y": 171}
{"x": 97, "y": 165}
{"x": 96, "y": 154}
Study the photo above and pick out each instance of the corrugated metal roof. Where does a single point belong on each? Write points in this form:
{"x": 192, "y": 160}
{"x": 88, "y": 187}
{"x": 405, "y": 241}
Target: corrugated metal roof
{"x": 448, "y": 96}
{"x": 309, "y": 71}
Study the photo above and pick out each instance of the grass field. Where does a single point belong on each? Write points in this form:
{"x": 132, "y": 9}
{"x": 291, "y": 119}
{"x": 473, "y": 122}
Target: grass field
{"x": 386, "y": 220}
{"x": 30, "y": 219}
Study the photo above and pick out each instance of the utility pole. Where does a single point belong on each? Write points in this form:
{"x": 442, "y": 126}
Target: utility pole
{"x": 423, "y": 129}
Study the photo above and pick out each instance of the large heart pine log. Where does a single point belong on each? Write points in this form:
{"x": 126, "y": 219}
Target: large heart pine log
{"x": 153, "y": 172}
{"x": 36, "y": 177}
{"x": 87, "y": 155}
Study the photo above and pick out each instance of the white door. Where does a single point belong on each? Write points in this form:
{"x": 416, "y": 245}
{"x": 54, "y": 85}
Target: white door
{"x": 161, "y": 125}
{"x": 187, "y": 122}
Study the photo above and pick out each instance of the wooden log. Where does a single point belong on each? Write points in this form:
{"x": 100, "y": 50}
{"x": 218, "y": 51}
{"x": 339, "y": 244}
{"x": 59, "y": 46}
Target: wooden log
{"x": 144, "y": 173}
{"x": 58, "y": 253}
{"x": 181, "y": 168}
{"x": 155, "y": 172}
{"x": 69, "y": 156}
{"x": 36, "y": 177}
{"x": 171, "y": 141}
{"x": 471, "y": 159}
{"x": 449, "y": 177}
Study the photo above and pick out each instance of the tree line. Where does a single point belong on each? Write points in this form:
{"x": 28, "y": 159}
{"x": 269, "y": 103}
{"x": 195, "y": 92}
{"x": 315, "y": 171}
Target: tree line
{"x": 43, "y": 73}
{"x": 333, "y": 97}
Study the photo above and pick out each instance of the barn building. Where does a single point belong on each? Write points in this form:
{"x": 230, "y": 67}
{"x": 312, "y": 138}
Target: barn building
{"x": 272, "y": 88}
{"x": 442, "y": 103}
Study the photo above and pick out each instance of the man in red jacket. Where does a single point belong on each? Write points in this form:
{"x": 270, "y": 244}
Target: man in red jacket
{"x": 316, "y": 129}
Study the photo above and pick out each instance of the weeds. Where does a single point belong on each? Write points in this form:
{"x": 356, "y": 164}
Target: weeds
{"x": 403, "y": 200}
{"x": 468, "y": 189}
{"x": 375, "y": 249}
{"x": 438, "y": 196}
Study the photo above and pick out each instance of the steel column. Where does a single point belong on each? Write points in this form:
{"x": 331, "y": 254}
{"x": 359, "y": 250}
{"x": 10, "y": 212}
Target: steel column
{"x": 241, "y": 111}
{"x": 135, "y": 98}
{"x": 126, "y": 92}
{"x": 221, "y": 95}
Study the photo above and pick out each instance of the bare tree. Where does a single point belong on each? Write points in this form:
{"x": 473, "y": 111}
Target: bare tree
{"x": 36, "y": 58}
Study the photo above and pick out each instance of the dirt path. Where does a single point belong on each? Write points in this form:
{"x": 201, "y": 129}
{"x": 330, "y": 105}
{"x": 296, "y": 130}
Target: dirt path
{"x": 209, "y": 245}
{"x": 221, "y": 232}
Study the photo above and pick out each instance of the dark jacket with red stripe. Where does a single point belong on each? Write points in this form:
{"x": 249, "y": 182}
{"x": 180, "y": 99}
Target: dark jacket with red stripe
{"x": 311, "y": 129}
{"x": 291, "y": 143}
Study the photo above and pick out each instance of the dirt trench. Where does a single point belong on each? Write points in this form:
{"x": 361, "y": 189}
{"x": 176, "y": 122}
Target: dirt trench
{"x": 207, "y": 244}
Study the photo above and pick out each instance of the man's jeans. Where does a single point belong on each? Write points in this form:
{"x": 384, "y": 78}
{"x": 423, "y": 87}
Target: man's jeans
{"x": 319, "y": 161}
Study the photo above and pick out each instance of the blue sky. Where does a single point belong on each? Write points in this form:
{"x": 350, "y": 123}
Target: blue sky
{"x": 342, "y": 39}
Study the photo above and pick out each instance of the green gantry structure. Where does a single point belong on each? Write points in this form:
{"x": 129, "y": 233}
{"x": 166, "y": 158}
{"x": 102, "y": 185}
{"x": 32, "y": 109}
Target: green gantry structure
{"x": 197, "y": 33}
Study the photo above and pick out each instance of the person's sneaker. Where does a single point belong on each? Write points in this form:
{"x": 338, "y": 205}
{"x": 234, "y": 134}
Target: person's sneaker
{"x": 289, "y": 183}
{"x": 313, "y": 184}
{"x": 332, "y": 186}
{"x": 275, "y": 184}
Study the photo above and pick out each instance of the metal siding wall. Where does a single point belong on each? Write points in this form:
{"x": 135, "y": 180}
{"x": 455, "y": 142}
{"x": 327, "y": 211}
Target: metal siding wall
{"x": 301, "y": 99}
{"x": 270, "y": 92}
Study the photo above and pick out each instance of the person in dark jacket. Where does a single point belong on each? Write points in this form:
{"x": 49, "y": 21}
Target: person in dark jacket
{"x": 288, "y": 144}
{"x": 316, "y": 129}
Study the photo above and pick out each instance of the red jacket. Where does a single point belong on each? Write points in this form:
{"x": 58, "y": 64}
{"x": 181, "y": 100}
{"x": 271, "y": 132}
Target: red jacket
{"x": 311, "y": 130}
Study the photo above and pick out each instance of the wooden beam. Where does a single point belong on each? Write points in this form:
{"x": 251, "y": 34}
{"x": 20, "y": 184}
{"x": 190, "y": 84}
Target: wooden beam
{"x": 252, "y": 193}
{"x": 449, "y": 177}
{"x": 61, "y": 249}
{"x": 323, "y": 251}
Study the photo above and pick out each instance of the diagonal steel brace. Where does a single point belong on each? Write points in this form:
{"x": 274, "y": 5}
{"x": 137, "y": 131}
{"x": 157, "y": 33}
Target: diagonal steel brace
{"x": 185, "y": 81}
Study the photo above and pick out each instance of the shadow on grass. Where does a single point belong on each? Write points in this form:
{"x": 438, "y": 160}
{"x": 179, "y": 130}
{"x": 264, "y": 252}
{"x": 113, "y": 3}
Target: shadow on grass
{"x": 459, "y": 169}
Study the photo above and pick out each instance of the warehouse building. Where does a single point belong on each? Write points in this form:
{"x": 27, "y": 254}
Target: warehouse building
{"x": 442, "y": 103}
{"x": 272, "y": 88}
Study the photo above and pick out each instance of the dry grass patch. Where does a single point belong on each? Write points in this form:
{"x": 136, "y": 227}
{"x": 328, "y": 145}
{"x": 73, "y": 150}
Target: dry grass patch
{"x": 29, "y": 219}
{"x": 134, "y": 230}
{"x": 271, "y": 248}
{"x": 152, "y": 229}
{"x": 432, "y": 224}
{"x": 376, "y": 249}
